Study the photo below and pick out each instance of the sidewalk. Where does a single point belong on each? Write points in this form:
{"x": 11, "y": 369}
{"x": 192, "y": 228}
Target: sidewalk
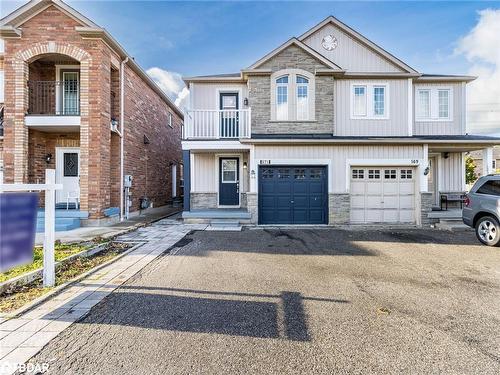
{"x": 22, "y": 337}
{"x": 89, "y": 233}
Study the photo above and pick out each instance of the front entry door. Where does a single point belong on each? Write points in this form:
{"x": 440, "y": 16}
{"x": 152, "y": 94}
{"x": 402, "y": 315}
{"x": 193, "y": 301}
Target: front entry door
{"x": 67, "y": 173}
{"x": 229, "y": 184}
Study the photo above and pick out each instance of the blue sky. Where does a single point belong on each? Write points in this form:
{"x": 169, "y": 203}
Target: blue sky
{"x": 196, "y": 38}
{"x": 214, "y": 37}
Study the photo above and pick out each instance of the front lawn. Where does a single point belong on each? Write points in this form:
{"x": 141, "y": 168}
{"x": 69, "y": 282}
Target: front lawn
{"x": 62, "y": 251}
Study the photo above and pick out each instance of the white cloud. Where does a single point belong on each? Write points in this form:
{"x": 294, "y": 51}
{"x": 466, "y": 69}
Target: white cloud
{"x": 480, "y": 47}
{"x": 171, "y": 83}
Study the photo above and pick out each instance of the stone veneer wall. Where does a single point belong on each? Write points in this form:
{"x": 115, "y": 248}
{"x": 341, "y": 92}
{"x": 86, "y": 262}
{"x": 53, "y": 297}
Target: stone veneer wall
{"x": 339, "y": 207}
{"x": 252, "y": 207}
{"x": 426, "y": 203}
{"x": 260, "y": 96}
{"x": 203, "y": 200}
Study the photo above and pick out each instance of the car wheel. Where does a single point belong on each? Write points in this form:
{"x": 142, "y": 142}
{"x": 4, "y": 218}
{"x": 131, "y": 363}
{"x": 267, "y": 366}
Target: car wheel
{"x": 488, "y": 231}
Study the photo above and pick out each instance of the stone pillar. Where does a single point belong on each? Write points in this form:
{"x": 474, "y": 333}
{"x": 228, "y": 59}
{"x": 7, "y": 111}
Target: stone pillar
{"x": 252, "y": 207}
{"x": 339, "y": 209}
{"x": 426, "y": 203}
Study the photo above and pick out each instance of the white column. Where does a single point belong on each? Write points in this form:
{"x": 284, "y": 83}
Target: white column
{"x": 487, "y": 161}
{"x": 253, "y": 170}
{"x": 423, "y": 165}
{"x": 49, "y": 276}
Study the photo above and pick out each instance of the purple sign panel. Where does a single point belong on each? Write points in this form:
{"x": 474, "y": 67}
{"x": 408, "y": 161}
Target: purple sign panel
{"x": 18, "y": 212}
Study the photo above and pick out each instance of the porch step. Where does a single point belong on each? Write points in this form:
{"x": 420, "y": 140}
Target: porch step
{"x": 62, "y": 224}
{"x": 63, "y": 213}
{"x": 449, "y": 224}
{"x": 225, "y": 223}
{"x": 214, "y": 214}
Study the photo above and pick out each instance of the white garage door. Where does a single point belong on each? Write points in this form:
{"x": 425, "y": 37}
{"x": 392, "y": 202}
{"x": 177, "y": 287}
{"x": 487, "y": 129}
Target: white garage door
{"x": 382, "y": 195}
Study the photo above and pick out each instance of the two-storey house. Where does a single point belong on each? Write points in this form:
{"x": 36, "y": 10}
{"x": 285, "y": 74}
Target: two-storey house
{"x": 328, "y": 128}
{"x": 76, "y": 102}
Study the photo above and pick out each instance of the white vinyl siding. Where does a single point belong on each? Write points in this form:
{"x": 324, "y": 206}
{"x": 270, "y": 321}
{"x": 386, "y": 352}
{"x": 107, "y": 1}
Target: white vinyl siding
{"x": 375, "y": 99}
{"x": 350, "y": 54}
{"x": 206, "y": 95}
{"x": 338, "y": 156}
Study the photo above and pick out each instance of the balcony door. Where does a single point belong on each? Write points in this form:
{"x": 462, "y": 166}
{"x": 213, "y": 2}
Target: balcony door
{"x": 70, "y": 103}
{"x": 229, "y": 115}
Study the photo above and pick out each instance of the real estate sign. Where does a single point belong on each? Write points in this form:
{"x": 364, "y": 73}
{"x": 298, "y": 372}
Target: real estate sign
{"x": 18, "y": 213}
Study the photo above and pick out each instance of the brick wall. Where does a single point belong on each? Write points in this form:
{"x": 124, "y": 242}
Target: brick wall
{"x": 150, "y": 164}
{"x": 51, "y": 34}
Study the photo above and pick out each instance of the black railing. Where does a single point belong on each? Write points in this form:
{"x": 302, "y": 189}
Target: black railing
{"x": 57, "y": 98}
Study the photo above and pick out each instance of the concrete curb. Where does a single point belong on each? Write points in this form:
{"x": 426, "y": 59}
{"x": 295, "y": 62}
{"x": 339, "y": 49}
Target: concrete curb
{"x": 57, "y": 290}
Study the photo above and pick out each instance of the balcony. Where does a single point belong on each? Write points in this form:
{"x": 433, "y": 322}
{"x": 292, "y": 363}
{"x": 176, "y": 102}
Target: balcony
{"x": 53, "y": 105}
{"x": 217, "y": 124}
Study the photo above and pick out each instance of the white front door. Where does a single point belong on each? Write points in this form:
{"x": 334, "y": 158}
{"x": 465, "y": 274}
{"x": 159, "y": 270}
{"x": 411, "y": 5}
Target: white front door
{"x": 68, "y": 173}
{"x": 383, "y": 195}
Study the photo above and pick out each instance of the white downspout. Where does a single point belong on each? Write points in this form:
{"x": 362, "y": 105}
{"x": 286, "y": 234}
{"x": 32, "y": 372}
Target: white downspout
{"x": 122, "y": 132}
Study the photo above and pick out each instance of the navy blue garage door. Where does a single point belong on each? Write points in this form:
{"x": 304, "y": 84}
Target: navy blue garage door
{"x": 293, "y": 195}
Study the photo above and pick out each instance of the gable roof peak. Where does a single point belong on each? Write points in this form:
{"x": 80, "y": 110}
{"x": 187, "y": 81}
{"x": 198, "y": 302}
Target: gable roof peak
{"x": 360, "y": 38}
{"x": 301, "y": 45}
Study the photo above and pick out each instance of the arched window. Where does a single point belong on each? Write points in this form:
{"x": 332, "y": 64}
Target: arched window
{"x": 282, "y": 98}
{"x": 302, "y": 98}
{"x": 292, "y": 95}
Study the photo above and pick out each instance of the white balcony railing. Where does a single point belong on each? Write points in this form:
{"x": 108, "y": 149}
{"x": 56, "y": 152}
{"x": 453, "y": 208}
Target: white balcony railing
{"x": 217, "y": 124}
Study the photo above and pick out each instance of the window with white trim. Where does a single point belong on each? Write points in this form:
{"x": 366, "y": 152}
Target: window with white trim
{"x": 292, "y": 95}
{"x": 282, "y": 98}
{"x": 370, "y": 101}
{"x": 359, "y": 101}
{"x": 170, "y": 120}
{"x": 302, "y": 98}
{"x": 433, "y": 104}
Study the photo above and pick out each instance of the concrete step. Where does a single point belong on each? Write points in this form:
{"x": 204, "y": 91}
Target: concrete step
{"x": 222, "y": 228}
{"x": 62, "y": 224}
{"x": 225, "y": 223}
{"x": 66, "y": 214}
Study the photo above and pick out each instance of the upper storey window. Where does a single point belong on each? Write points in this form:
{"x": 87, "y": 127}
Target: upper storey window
{"x": 282, "y": 98}
{"x": 302, "y": 98}
{"x": 369, "y": 101}
{"x": 292, "y": 95}
{"x": 433, "y": 104}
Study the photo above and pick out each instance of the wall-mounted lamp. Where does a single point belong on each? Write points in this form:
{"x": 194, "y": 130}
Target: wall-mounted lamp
{"x": 245, "y": 166}
{"x": 446, "y": 155}
{"x": 245, "y": 102}
{"x": 426, "y": 171}
{"x": 252, "y": 174}
{"x": 146, "y": 140}
{"x": 48, "y": 158}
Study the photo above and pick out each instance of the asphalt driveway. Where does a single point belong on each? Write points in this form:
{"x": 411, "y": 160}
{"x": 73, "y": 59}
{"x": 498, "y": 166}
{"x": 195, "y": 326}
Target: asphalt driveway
{"x": 298, "y": 301}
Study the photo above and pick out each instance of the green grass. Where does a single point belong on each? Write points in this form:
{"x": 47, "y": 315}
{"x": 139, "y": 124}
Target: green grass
{"x": 73, "y": 268}
{"x": 62, "y": 251}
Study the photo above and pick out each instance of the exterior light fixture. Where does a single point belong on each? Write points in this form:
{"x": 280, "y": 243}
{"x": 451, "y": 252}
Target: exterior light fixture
{"x": 245, "y": 166}
{"x": 48, "y": 158}
{"x": 252, "y": 174}
{"x": 245, "y": 102}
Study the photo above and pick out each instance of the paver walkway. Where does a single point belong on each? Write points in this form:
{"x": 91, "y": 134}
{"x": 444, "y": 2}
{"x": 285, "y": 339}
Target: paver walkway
{"x": 24, "y": 336}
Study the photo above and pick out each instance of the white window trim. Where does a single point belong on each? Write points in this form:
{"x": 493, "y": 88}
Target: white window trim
{"x": 292, "y": 94}
{"x": 370, "y": 100}
{"x": 170, "y": 120}
{"x": 434, "y": 103}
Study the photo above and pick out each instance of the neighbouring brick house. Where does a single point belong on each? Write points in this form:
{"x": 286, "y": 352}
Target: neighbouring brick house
{"x": 64, "y": 110}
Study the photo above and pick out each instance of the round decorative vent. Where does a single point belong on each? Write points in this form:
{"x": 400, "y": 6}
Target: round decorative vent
{"x": 329, "y": 42}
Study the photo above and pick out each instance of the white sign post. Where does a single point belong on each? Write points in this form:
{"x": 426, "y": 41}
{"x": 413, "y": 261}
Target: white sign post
{"x": 50, "y": 187}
